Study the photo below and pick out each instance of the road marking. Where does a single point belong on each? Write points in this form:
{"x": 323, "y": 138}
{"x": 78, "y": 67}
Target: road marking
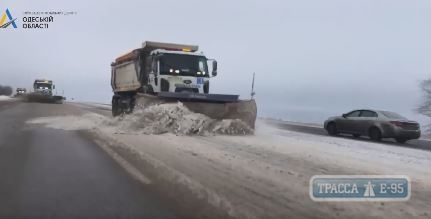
{"x": 138, "y": 175}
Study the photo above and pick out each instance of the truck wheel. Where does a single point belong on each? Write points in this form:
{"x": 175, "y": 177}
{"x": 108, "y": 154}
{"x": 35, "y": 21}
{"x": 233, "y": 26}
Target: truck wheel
{"x": 375, "y": 134}
{"x": 131, "y": 106}
{"x": 115, "y": 107}
{"x": 147, "y": 89}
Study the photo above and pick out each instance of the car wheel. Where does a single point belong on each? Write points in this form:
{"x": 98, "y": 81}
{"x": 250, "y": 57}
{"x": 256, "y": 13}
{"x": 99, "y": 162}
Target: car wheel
{"x": 332, "y": 129}
{"x": 356, "y": 135}
{"x": 401, "y": 140}
{"x": 375, "y": 134}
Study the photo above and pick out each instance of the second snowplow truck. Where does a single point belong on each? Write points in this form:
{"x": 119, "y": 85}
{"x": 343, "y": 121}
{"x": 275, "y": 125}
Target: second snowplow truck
{"x": 166, "y": 72}
{"x": 44, "y": 92}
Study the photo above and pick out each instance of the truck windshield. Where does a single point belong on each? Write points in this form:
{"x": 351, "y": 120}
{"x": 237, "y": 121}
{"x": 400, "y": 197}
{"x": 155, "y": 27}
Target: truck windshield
{"x": 43, "y": 86}
{"x": 185, "y": 65}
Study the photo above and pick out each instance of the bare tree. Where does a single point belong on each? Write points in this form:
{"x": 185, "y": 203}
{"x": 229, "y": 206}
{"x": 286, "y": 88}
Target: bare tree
{"x": 6, "y": 90}
{"x": 425, "y": 107}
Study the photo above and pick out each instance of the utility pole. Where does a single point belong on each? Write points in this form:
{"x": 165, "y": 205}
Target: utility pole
{"x": 252, "y": 88}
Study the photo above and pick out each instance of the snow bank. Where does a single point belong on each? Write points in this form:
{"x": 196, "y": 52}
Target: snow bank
{"x": 177, "y": 119}
{"x": 157, "y": 119}
{"x": 2, "y": 98}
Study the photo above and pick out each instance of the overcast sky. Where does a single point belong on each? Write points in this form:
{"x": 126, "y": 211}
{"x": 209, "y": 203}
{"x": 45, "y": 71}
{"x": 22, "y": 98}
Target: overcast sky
{"x": 311, "y": 58}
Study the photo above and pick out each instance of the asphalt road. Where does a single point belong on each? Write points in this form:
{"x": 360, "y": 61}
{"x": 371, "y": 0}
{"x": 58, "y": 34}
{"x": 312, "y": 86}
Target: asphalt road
{"x": 417, "y": 144}
{"x": 48, "y": 173}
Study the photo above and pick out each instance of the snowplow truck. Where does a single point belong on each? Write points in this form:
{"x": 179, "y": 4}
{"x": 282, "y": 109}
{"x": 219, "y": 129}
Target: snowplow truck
{"x": 160, "y": 73}
{"x": 43, "y": 92}
{"x": 20, "y": 92}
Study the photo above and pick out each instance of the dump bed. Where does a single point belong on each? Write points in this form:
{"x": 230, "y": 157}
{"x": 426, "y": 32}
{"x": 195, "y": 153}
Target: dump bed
{"x": 125, "y": 77}
{"x": 149, "y": 46}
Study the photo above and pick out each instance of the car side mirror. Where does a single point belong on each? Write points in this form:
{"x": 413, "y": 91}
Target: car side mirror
{"x": 344, "y": 115}
{"x": 214, "y": 73}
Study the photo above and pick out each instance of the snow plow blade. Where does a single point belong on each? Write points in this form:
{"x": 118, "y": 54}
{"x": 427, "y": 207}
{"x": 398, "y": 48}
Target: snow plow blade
{"x": 215, "y": 106}
{"x": 43, "y": 98}
{"x": 195, "y": 97}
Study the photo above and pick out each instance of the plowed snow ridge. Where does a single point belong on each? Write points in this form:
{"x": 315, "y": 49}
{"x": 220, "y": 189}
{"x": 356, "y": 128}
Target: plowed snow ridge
{"x": 177, "y": 119}
{"x": 4, "y": 98}
{"x": 155, "y": 120}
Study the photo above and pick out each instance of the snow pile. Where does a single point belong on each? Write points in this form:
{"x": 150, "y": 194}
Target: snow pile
{"x": 177, "y": 119}
{"x": 4, "y": 98}
{"x": 232, "y": 127}
{"x": 157, "y": 119}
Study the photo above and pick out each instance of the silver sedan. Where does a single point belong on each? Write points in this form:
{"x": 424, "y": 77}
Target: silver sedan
{"x": 376, "y": 124}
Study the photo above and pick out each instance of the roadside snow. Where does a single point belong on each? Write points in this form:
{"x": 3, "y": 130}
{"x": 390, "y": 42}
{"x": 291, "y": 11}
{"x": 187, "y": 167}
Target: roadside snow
{"x": 3, "y": 98}
{"x": 84, "y": 122}
{"x": 362, "y": 156}
{"x": 279, "y": 121}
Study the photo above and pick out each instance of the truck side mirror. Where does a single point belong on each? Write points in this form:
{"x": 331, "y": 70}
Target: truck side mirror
{"x": 53, "y": 86}
{"x": 214, "y": 73}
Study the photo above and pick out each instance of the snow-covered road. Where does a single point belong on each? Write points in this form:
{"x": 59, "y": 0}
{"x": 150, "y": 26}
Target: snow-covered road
{"x": 265, "y": 175}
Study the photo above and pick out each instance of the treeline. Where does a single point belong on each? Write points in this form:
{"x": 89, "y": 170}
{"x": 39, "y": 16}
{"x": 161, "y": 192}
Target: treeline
{"x": 425, "y": 107}
{"x": 6, "y": 90}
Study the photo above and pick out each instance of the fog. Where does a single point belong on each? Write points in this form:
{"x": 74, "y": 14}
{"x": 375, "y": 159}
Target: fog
{"x": 312, "y": 59}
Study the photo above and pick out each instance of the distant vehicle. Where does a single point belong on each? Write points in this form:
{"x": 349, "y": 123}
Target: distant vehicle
{"x": 43, "y": 92}
{"x": 20, "y": 91}
{"x": 376, "y": 124}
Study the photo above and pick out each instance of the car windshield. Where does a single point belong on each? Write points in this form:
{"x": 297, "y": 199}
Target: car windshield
{"x": 185, "y": 65}
{"x": 392, "y": 115}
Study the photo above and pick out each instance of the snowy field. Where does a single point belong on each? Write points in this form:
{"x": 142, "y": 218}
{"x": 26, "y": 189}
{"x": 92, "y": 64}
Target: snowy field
{"x": 264, "y": 175}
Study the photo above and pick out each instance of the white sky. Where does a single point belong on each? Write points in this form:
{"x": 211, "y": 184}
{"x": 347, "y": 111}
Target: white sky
{"x": 312, "y": 58}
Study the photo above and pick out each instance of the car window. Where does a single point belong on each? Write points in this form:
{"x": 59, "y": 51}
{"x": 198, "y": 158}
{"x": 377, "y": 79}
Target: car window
{"x": 392, "y": 115}
{"x": 368, "y": 113}
{"x": 353, "y": 114}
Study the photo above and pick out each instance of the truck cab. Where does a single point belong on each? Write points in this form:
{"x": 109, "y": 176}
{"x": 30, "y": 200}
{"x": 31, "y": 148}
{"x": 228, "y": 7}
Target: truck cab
{"x": 177, "y": 71}
{"x": 43, "y": 87}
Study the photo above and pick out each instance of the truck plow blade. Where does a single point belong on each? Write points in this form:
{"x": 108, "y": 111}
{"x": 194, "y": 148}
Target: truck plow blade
{"x": 43, "y": 99}
{"x": 215, "y": 106}
{"x": 196, "y": 97}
